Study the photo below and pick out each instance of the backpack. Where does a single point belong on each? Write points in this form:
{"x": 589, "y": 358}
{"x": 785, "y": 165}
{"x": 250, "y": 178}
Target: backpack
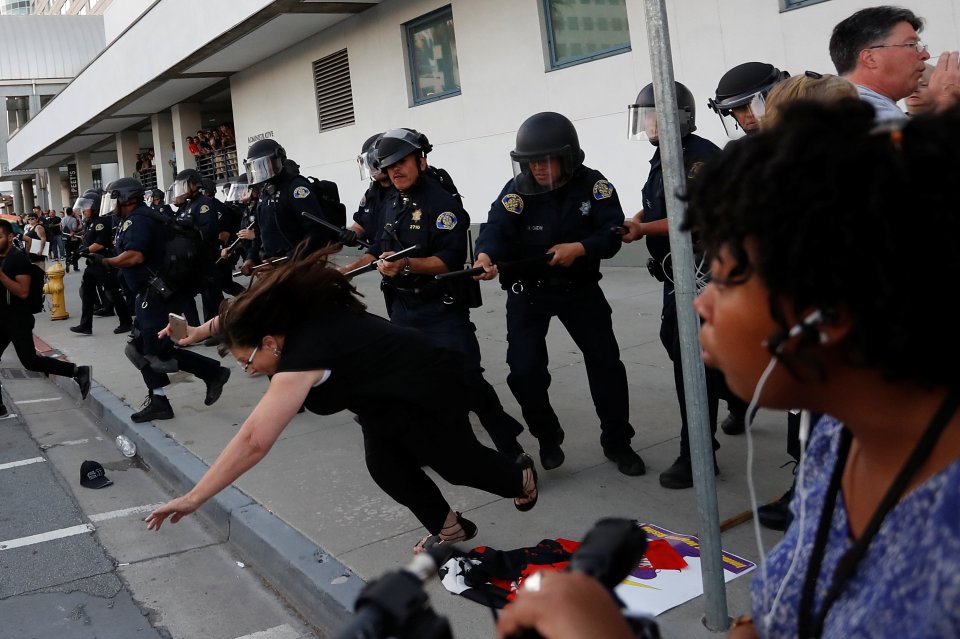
{"x": 186, "y": 257}
{"x": 328, "y": 195}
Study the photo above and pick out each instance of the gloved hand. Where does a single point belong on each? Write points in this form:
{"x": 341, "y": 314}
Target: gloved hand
{"x": 348, "y": 237}
{"x": 83, "y": 251}
{"x": 96, "y": 259}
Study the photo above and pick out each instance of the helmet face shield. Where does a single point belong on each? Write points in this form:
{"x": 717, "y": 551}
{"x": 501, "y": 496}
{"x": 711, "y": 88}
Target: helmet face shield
{"x": 642, "y": 123}
{"x": 534, "y": 174}
{"x": 743, "y": 117}
{"x": 82, "y": 204}
{"x": 108, "y": 203}
{"x": 239, "y": 192}
{"x": 260, "y": 170}
{"x": 369, "y": 166}
{"x": 181, "y": 189}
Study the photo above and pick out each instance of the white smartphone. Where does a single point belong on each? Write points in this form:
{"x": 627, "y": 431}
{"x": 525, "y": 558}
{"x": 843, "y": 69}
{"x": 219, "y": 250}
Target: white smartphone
{"x": 178, "y": 326}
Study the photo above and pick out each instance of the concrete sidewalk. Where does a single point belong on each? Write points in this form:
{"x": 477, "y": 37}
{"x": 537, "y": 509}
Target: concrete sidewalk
{"x": 311, "y": 520}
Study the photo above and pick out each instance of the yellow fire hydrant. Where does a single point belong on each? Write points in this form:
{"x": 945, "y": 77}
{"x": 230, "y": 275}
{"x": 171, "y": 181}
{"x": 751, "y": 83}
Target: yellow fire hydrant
{"x": 54, "y": 288}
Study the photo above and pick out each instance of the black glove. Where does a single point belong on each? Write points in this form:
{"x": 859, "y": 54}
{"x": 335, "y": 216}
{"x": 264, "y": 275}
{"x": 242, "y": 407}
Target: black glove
{"x": 96, "y": 259}
{"x": 83, "y": 251}
{"x": 348, "y": 237}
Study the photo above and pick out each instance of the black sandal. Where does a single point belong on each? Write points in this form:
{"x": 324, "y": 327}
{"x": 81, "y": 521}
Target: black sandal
{"x": 531, "y": 496}
{"x": 462, "y": 530}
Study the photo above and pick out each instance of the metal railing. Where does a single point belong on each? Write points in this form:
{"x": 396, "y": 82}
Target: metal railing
{"x": 220, "y": 164}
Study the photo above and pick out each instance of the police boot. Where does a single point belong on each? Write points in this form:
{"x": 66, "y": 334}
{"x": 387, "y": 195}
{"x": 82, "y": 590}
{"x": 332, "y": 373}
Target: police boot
{"x": 154, "y": 408}
{"x": 627, "y": 459}
{"x": 680, "y": 474}
{"x": 734, "y": 424}
{"x": 776, "y": 515}
{"x": 551, "y": 455}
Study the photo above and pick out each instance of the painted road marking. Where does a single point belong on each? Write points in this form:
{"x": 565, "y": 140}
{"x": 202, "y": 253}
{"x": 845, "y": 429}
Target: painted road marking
{"x": 125, "y": 512}
{"x": 47, "y": 536}
{"x": 74, "y": 442}
{"x": 37, "y": 401}
{"x": 22, "y": 462}
{"x": 280, "y": 632}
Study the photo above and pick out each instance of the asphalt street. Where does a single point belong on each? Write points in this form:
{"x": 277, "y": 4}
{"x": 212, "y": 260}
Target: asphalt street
{"x": 78, "y": 563}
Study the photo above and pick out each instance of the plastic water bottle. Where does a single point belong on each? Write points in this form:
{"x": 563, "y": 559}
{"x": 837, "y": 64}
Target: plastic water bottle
{"x": 127, "y": 447}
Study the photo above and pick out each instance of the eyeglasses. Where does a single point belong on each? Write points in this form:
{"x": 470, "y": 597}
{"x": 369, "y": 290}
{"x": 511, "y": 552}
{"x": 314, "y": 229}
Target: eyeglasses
{"x": 249, "y": 361}
{"x": 918, "y": 45}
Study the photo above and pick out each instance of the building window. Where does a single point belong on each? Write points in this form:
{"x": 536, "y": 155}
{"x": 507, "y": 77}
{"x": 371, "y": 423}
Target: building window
{"x": 432, "y": 50}
{"x": 18, "y": 112}
{"x": 787, "y": 5}
{"x": 583, "y": 30}
{"x": 331, "y": 80}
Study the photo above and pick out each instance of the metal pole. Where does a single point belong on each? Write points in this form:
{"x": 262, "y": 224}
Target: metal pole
{"x": 684, "y": 275}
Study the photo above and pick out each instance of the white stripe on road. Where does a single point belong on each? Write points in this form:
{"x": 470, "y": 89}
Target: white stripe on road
{"x": 47, "y": 536}
{"x": 37, "y": 401}
{"x": 22, "y": 462}
{"x": 116, "y": 514}
{"x": 74, "y": 442}
{"x": 280, "y": 632}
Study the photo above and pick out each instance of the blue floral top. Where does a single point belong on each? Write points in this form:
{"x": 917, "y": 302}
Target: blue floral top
{"x": 908, "y": 583}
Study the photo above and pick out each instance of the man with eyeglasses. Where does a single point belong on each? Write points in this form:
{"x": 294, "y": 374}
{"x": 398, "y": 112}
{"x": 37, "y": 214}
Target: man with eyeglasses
{"x": 879, "y": 50}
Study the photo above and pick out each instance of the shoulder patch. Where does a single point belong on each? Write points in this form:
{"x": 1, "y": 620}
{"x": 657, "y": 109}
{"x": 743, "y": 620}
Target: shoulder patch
{"x": 446, "y": 221}
{"x": 513, "y": 203}
{"x": 98, "y": 227}
{"x": 694, "y": 169}
{"x": 126, "y": 224}
{"x": 301, "y": 192}
{"x": 204, "y": 209}
{"x": 602, "y": 190}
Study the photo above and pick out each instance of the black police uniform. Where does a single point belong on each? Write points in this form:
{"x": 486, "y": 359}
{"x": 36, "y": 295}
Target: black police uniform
{"x": 100, "y": 230}
{"x": 282, "y": 201}
{"x": 230, "y": 216}
{"x": 202, "y": 213}
{"x": 369, "y": 213}
{"x": 164, "y": 209}
{"x": 587, "y": 210}
{"x": 432, "y": 218}
{"x": 696, "y": 151}
{"x": 143, "y": 231}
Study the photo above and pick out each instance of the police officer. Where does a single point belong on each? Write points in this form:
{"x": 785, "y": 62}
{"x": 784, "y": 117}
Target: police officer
{"x": 202, "y": 212}
{"x": 740, "y": 97}
{"x": 230, "y": 218}
{"x": 420, "y": 211}
{"x": 245, "y": 196}
{"x": 555, "y": 204}
{"x": 140, "y": 247}
{"x": 284, "y": 196}
{"x": 157, "y": 203}
{"x": 652, "y": 223}
{"x": 98, "y": 232}
{"x": 379, "y": 189}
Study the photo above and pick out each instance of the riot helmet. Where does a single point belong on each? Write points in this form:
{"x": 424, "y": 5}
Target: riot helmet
{"x": 396, "y": 144}
{"x": 741, "y": 94}
{"x": 208, "y": 187}
{"x": 547, "y": 153}
{"x": 367, "y": 160}
{"x": 239, "y": 192}
{"x": 642, "y": 115}
{"x": 185, "y": 185}
{"x": 88, "y": 201}
{"x": 156, "y": 194}
{"x": 122, "y": 192}
{"x": 265, "y": 160}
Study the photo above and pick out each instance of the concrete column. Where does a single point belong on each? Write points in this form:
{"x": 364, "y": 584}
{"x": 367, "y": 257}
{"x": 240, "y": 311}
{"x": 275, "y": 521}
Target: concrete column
{"x": 84, "y": 171}
{"x": 109, "y": 173}
{"x": 186, "y": 123}
{"x": 33, "y": 106}
{"x": 28, "y": 201}
{"x": 162, "y": 124}
{"x": 128, "y": 145}
{"x": 54, "y": 194}
{"x": 17, "y": 198}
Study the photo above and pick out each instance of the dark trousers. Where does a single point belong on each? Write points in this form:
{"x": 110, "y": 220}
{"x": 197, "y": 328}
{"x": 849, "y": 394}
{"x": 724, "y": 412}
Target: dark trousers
{"x": 586, "y": 315}
{"x": 449, "y": 327}
{"x": 94, "y": 276}
{"x": 670, "y": 337}
{"x": 149, "y": 322}
{"x": 16, "y": 328}
{"x": 398, "y": 447}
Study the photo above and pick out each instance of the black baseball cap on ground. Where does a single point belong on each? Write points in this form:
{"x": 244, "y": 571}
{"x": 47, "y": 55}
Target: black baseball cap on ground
{"x": 92, "y": 475}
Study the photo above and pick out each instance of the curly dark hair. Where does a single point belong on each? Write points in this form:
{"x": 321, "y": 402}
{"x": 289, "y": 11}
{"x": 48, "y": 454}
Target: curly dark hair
{"x": 865, "y": 28}
{"x": 284, "y": 298}
{"x": 846, "y": 217}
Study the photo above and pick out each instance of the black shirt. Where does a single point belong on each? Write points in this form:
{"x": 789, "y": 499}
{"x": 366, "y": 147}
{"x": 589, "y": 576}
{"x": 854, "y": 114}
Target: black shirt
{"x": 411, "y": 377}
{"x": 100, "y": 230}
{"x": 14, "y": 264}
